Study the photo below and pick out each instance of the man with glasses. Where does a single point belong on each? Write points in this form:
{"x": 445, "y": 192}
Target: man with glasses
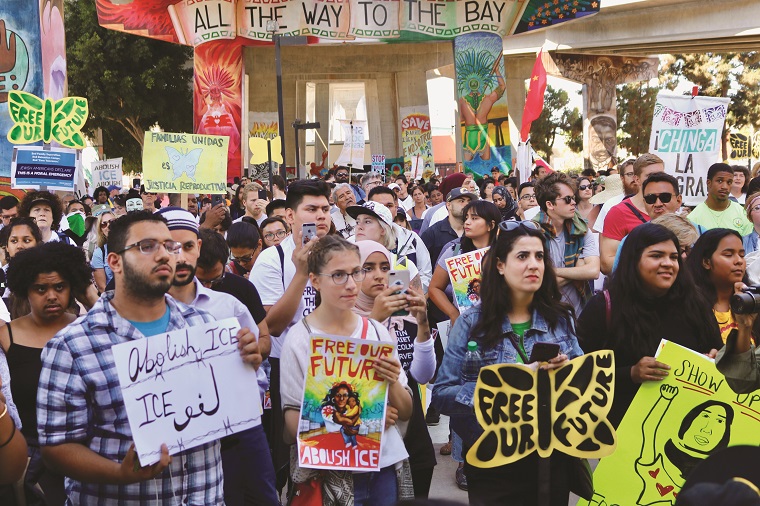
{"x": 8, "y": 209}
{"x": 343, "y": 197}
{"x": 342, "y": 176}
{"x": 83, "y": 427}
{"x": 572, "y": 246}
{"x": 370, "y": 180}
{"x": 661, "y": 194}
{"x": 526, "y": 201}
{"x": 630, "y": 188}
{"x": 148, "y": 198}
{"x": 248, "y": 470}
{"x": 629, "y": 213}
{"x": 718, "y": 211}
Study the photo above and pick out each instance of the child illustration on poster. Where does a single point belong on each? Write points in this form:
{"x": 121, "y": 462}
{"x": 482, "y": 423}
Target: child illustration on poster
{"x": 343, "y": 411}
{"x": 464, "y": 272}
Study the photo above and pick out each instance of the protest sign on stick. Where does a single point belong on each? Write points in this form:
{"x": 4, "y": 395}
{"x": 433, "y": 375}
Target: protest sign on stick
{"x": 343, "y": 410}
{"x": 107, "y": 172}
{"x": 186, "y": 388}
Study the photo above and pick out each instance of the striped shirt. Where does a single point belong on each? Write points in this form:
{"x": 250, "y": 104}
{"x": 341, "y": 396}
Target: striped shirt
{"x": 79, "y": 401}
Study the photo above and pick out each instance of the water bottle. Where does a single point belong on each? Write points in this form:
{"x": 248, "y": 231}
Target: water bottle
{"x": 473, "y": 361}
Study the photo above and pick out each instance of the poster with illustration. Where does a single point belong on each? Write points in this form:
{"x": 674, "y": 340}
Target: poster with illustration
{"x": 343, "y": 410}
{"x": 481, "y": 95}
{"x": 671, "y": 426}
{"x": 184, "y": 163}
{"x": 464, "y": 273}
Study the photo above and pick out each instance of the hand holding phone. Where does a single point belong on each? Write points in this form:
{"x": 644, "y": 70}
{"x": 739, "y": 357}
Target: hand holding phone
{"x": 308, "y": 230}
{"x": 543, "y": 352}
{"x": 399, "y": 279}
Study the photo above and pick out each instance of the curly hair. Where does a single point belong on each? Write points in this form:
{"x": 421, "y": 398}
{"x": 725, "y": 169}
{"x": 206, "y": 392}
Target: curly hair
{"x": 33, "y": 197}
{"x": 68, "y": 261}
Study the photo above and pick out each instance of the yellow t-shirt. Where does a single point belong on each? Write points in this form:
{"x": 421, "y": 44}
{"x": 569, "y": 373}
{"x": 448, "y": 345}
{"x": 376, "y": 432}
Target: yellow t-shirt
{"x": 726, "y": 323}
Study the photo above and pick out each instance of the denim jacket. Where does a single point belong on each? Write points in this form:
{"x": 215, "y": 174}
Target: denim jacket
{"x": 453, "y": 397}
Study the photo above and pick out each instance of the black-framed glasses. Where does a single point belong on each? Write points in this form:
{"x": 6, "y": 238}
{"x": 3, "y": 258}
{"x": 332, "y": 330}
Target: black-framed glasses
{"x": 150, "y": 246}
{"x": 585, "y": 187}
{"x": 341, "y": 278}
{"x": 651, "y": 198}
{"x": 280, "y": 234}
{"x": 567, "y": 198}
{"x": 213, "y": 282}
{"x": 528, "y": 196}
{"x": 243, "y": 259}
{"x": 510, "y": 225}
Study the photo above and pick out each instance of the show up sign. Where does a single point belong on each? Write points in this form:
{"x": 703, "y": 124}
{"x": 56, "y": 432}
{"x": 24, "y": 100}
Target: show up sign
{"x": 199, "y": 21}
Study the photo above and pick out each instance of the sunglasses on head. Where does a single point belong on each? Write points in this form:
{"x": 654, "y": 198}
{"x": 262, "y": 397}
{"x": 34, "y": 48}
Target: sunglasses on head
{"x": 510, "y": 225}
{"x": 651, "y": 198}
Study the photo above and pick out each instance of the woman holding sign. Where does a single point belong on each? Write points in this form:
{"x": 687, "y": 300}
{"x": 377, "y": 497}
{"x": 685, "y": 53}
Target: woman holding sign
{"x": 520, "y": 312}
{"x": 335, "y": 272}
{"x": 415, "y": 348}
{"x": 651, "y": 297}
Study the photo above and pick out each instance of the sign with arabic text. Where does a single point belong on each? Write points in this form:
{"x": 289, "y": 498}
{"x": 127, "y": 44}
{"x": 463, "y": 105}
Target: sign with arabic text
{"x": 186, "y": 388}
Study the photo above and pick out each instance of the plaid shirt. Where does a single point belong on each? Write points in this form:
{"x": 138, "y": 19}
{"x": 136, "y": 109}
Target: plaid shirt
{"x": 79, "y": 401}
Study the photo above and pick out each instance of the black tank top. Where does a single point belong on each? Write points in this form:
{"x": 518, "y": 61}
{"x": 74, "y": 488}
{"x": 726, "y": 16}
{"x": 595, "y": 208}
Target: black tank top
{"x": 25, "y": 366}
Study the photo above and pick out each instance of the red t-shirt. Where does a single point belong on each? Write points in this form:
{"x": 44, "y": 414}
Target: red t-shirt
{"x": 621, "y": 219}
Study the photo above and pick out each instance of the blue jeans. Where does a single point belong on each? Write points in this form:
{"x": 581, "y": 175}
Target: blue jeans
{"x": 377, "y": 488}
{"x": 248, "y": 471}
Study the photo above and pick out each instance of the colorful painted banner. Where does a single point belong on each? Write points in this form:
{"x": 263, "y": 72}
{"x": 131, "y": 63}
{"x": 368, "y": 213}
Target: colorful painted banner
{"x": 186, "y": 388}
{"x": 33, "y": 167}
{"x": 353, "y": 143}
{"x": 670, "y": 427}
{"x": 184, "y": 163}
{"x": 481, "y": 92}
{"x": 264, "y": 126}
{"x": 417, "y": 142}
{"x": 523, "y": 409}
{"x": 199, "y": 21}
{"x": 343, "y": 411}
{"x": 687, "y": 134}
{"x": 21, "y": 69}
{"x": 107, "y": 173}
{"x": 464, "y": 273}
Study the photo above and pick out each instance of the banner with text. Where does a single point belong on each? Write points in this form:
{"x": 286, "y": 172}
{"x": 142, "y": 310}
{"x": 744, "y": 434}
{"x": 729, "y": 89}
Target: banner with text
{"x": 353, "y": 143}
{"x": 185, "y": 163}
{"x": 107, "y": 173}
{"x": 33, "y": 167}
{"x": 343, "y": 410}
{"x": 464, "y": 273}
{"x": 186, "y": 388}
{"x": 686, "y": 134}
{"x": 417, "y": 142}
{"x": 671, "y": 426}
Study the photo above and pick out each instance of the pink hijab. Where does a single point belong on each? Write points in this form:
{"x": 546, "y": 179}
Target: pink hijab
{"x": 365, "y": 303}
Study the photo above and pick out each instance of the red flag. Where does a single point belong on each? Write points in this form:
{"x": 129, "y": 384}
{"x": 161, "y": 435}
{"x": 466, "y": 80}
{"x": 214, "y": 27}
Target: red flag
{"x": 534, "y": 102}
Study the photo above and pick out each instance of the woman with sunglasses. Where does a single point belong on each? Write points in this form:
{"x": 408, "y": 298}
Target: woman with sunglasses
{"x": 335, "y": 272}
{"x": 716, "y": 263}
{"x": 520, "y": 306}
{"x": 274, "y": 230}
{"x": 651, "y": 296}
{"x": 415, "y": 347}
{"x": 583, "y": 193}
{"x": 101, "y": 272}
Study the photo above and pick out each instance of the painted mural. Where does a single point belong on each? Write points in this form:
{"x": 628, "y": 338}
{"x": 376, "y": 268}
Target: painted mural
{"x": 481, "y": 93}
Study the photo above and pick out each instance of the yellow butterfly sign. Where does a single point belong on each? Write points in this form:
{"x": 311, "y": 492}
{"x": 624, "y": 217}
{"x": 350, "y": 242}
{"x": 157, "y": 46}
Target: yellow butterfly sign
{"x": 258, "y": 147}
{"x": 36, "y": 119}
{"x": 524, "y": 411}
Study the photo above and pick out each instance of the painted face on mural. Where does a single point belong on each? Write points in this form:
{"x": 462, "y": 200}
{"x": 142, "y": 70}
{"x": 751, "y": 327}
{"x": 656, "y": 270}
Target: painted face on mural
{"x": 602, "y": 140}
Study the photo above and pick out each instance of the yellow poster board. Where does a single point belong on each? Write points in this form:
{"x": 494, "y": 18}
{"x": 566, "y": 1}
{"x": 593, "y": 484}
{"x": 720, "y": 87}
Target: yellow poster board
{"x": 671, "y": 426}
{"x": 523, "y": 410}
{"x": 185, "y": 163}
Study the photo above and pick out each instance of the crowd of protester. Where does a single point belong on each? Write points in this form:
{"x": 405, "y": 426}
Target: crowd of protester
{"x": 596, "y": 261}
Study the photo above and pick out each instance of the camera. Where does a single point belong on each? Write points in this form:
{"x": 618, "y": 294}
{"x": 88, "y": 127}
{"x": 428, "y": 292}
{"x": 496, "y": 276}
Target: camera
{"x": 747, "y": 302}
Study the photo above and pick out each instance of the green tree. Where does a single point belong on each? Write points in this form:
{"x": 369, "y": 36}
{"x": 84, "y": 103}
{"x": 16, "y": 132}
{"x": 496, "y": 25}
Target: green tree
{"x": 131, "y": 82}
{"x": 635, "y": 110}
{"x": 734, "y": 75}
{"x": 556, "y": 118}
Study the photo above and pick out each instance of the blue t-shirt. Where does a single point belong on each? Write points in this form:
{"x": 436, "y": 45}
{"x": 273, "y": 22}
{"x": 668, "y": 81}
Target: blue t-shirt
{"x": 99, "y": 262}
{"x": 155, "y": 327}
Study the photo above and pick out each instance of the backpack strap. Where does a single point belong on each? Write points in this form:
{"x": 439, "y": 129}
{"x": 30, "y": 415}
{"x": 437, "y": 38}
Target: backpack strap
{"x": 608, "y": 308}
{"x": 281, "y": 252}
{"x": 636, "y": 212}
{"x": 365, "y": 324}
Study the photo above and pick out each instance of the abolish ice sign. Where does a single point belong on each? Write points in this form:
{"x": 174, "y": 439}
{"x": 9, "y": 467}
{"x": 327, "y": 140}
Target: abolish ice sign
{"x": 186, "y": 388}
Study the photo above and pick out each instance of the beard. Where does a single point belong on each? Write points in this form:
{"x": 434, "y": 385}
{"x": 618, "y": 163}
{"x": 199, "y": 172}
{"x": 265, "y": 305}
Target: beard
{"x": 140, "y": 284}
{"x": 190, "y": 275}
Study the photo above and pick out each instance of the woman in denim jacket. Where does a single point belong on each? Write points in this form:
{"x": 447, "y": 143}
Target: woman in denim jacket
{"x": 520, "y": 306}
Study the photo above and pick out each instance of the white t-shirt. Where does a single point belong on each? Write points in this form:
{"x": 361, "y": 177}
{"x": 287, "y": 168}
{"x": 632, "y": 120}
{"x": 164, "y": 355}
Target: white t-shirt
{"x": 293, "y": 365}
{"x": 406, "y": 203}
{"x": 599, "y": 223}
{"x": 259, "y": 221}
{"x": 267, "y": 276}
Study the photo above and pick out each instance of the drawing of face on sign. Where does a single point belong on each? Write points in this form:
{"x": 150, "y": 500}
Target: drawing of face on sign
{"x": 664, "y": 467}
{"x": 334, "y": 404}
{"x": 524, "y": 411}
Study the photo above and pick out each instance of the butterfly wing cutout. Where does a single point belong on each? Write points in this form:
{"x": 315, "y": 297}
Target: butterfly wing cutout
{"x": 69, "y": 116}
{"x": 24, "y": 108}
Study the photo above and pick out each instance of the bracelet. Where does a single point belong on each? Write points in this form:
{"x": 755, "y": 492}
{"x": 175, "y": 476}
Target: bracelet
{"x": 13, "y": 433}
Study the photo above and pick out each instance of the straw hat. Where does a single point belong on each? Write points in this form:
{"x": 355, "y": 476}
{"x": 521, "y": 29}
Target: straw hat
{"x": 613, "y": 187}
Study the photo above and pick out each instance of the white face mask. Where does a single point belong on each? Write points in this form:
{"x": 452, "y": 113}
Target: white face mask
{"x": 134, "y": 205}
